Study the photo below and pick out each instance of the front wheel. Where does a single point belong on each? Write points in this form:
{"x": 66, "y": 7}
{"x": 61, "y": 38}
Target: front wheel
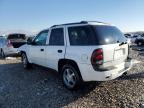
{"x": 70, "y": 77}
{"x": 25, "y": 62}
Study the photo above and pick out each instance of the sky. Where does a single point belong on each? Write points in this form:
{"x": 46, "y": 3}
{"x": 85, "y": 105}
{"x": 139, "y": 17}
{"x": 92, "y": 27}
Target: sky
{"x": 35, "y": 15}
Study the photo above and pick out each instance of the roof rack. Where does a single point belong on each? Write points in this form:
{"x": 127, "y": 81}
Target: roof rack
{"x": 70, "y": 23}
{"x": 82, "y": 22}
{"x": 93, "y": 22}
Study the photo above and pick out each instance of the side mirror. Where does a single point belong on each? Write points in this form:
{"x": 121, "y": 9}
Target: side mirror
{"x": 30, "y": 41}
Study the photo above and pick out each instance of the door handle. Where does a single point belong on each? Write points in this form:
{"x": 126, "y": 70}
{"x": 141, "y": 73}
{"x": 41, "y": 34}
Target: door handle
{"x": 41, "y": 49}
{"x": 59, "y": 51}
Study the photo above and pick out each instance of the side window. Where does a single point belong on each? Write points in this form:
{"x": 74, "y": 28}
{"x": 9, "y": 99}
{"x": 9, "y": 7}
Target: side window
{"x": 41, "y": 38}
{"x": 81, "y": 35}
{"x": 57, "y": 37}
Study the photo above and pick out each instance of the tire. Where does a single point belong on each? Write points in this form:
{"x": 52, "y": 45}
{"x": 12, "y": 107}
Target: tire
{"x": 2, "y": 54}
{"x": 70, "y": 77}
{"x": 25, "y": 61}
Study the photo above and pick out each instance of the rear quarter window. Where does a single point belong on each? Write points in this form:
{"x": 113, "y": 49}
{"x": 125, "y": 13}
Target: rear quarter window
{"x": 81, "y": 35}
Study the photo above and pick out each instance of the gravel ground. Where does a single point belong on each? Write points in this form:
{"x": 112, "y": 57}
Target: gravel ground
{"x": 41, "y": 88}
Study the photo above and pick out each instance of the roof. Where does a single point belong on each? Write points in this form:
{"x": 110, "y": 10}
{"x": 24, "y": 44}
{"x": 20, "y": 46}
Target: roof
{"x": 84, "y": 22}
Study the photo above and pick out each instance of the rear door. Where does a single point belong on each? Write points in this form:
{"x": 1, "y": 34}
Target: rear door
{"x": 37, "y": 52}
{"x": 113, "y": 42}
{"x": 84, "y": 39}
{"x": 55, "y": 49}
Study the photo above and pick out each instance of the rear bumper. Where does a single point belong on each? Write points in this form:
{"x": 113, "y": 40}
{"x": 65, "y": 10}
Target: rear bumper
{"x": 89, "y": 74}
{"x": 12, "y": 52}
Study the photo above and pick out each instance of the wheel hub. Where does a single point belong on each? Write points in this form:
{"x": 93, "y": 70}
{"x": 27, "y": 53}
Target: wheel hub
{"x": 69, "y": 78}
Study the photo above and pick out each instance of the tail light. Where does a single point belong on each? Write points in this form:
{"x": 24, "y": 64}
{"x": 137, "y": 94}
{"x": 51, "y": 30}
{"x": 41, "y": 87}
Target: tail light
{"x": 97, "y": 57}
{"x": 9, "y": 44}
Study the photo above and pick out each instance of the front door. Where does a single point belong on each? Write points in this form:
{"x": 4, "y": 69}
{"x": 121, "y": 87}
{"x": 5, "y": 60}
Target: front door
{"x": 37, "y": 51}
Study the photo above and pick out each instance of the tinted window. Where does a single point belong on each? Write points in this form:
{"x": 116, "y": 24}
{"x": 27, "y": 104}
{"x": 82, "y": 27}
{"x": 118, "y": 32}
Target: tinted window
{"x": 57, "y": 37}
{"x": 16, "y": 36}
{"x": 41, "y": 38}
{"x": 82, "y": 35}
{"x": 95, "y": 35}
{"x": 109, "y": 35}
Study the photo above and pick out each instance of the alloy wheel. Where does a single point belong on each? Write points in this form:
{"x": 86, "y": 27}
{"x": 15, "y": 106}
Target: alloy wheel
{"x": 69, "y": 78}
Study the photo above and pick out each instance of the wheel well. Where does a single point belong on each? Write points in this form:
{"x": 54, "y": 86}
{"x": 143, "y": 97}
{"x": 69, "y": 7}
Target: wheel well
{"x": 63, "y": 62}
{"x": 22, "y": 52}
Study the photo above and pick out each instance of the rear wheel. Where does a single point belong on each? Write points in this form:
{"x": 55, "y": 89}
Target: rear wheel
{"x": 70, "y": 77}
{"x": 25, "y": 62}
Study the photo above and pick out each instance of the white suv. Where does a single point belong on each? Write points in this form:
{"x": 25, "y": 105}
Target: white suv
{"x": 84, "y": 51}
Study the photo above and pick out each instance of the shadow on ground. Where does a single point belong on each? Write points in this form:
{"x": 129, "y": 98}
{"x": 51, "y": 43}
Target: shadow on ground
{"x": 139, "y": 75}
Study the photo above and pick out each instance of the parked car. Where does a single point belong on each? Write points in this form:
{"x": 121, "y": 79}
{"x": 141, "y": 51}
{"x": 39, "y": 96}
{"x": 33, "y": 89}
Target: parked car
{"x": 140, "y": 41}
{"x": 10, "y": 43}
{"x": 30, "y": 38}
{"x": 80, "y": 52}
{"x": 134, "y": 37}
{"x": 127, "y": 35}
{"x": 1, "y": 36}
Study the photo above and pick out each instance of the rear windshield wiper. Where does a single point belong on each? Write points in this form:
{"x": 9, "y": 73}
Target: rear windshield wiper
{"x": 122, "y": 43}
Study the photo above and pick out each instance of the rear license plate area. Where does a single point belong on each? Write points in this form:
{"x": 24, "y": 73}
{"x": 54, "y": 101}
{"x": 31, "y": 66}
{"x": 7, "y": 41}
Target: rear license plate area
{"x": 119, "y": 53}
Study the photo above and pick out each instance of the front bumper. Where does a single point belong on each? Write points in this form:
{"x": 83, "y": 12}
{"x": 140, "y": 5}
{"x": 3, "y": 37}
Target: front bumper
{"x": 89, "y": 74}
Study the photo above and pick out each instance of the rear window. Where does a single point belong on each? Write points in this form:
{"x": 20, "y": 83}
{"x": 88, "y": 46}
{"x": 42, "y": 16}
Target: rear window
{"x": 17, "y": 36}
{"x": 109, "y": 35}
{"x": 95, "y": 35}
{"x": 57, "y": 37}
{"x": 82, "y": 35}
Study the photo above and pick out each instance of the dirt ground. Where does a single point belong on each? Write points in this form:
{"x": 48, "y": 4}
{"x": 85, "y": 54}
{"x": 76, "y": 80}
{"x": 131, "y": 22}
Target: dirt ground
{"x": 42, "y": 88}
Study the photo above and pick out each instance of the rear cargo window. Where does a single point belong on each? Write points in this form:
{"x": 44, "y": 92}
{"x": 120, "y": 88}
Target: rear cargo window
{"x": 17, "y": 36}
{"x": 109, "y": 35}
{"x": 95, "y": 35}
